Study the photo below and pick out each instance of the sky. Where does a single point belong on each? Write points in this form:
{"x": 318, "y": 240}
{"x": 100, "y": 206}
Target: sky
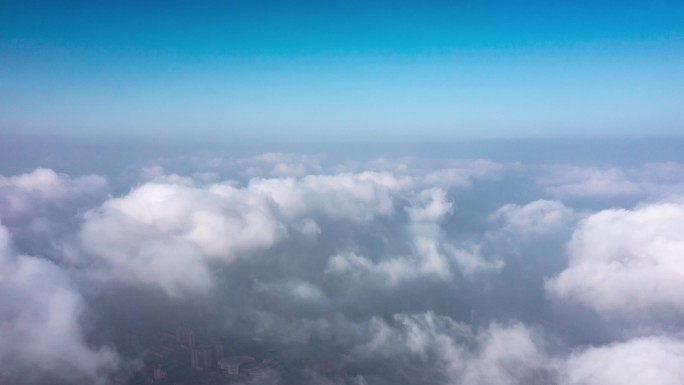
{"x": 354, "y": 70}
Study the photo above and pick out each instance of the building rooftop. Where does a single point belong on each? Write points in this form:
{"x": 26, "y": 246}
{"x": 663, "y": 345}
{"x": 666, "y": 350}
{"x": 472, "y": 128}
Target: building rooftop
{"x": 235, "y": 360}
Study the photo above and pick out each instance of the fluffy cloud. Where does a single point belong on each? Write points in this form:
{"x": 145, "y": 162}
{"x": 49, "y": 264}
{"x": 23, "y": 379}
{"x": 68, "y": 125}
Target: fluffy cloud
{"x": 497, "y": 355}
{"x": 641, "y": 361}
{"x": 654, "y": 179}
{"x": 361, "y": 272}
{"x": 355, "y": 197}
{"x": 169, "y": 233}
{"x": 24, "y": 194}
{"x": 52, "y": 186}
{"x": 509, "y": 354}
{"x": 166, "y": 233}
{"x": 627, "y": 261}
{"x": 506, "y": 355}
{"x": 278, "y": 165}
{"x": 297, "y": 290}
{"x": 591, "y": 182}
{"x": 461, "y": 174}
{"x": 429, "y": 257}
{"x": 429, "y": 260}
{"x": 535, "y": 218}
{"x": 430, "y": 206}
{"x": 41, "y": 207}
{"x": 41, "y": 333}
{"x": 392, "y": 271}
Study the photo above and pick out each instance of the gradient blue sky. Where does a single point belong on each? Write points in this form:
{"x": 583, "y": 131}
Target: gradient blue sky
{"x": 352, "y": 70}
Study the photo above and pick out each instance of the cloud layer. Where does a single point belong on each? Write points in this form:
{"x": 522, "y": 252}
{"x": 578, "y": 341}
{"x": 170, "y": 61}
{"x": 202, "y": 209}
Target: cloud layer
{"x": 627, "y": 261}
{"x": 381, "y": 271}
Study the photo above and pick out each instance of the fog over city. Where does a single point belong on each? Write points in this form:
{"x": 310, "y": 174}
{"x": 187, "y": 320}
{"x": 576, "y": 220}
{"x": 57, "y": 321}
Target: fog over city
{"x": 376, "y": 267}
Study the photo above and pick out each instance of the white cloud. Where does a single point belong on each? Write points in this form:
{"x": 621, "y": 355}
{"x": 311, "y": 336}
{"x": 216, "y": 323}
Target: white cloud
{"x": 156, "y": 174}
{"x": 391, "y": 271}
{"x": 641, "y": 361}
{"x": 496, "y": 355}
{"x": 430, "y": 260}
{"x": 40, "y": 314}
{"x": 53, "y": 186}
{"x": 651, "y": 179}
{"x": 167, "y": 233}
{"x": 584, "y": 182}
{"x": 470, "y": 260}
{"x": 535, "y": 218}
{"x": 660, "y": 172}
{"x": 430, "y": 256}
{"x": 383, "y": 229}
{"x": 461, "y": 174}
{"x": 506, "y": 355}
{"x": 430, "y": 206}
{"x": 298, "y": 290}
{"x": 627, "y": 262}
{"x": 355, "y": 197}
{"x": 26, "y": 196}
{"x": 278, "y": 165}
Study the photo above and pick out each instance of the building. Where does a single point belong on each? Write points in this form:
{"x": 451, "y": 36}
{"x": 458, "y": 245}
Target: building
{"x": 196, "y": 359}
{"x": 185, "y": 336}
{"x": 204, "y": 357}
{"x": 267, "y": 372}
{"x": 230, "y": 366}
{"x": 208, "y": 357}
{"x": 159, "y": 374}
{"x": 218, "y": 351}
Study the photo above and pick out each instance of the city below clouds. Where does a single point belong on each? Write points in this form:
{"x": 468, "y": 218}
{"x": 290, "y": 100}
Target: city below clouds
{"x": 358, "y": 269}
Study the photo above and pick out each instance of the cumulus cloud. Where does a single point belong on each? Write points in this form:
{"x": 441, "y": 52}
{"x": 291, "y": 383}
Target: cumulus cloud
{"x": 507, "y": 354}
{"x": 430, "y": 206}
{"x": 50, "y": 186}
{"x": 642, "y": 361}
{"x": 591, "y": 182}
{"x": 430, "y": 256}
{"x": 627, "y": 261}
{"x": 158, "y": 175}
{"x": 392, "y": 271}
{"x": 167, "y": 233}
{"x": 659, "y": 172}
{"x": 356, "y": 197}
{"x": 36, "y": 205}
{"x": 41, "y": 335}
{"x": 278, "y": 165}
{"x": 498, "y": 354}
{"x": 535, "y": 218}
{"x": 470, "y": 259}
{"x": 382, "y": 272}
{"x": 462, "y": 174}
{"x": 429, "y": 260}
{"x": 298, "y": 290}
{"x": 651, "y": 179}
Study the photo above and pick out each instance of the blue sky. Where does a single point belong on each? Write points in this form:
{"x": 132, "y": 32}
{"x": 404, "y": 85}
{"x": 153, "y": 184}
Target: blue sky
{"x": 315, "y": 70}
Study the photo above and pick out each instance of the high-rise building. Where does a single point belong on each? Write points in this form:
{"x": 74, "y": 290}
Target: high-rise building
{"x": 185, "y": 336}
{"x": 218, "y": 351}
{"x": 208, "y": 357}
{"x": 159, "y": 374}
{"x": 196, "y": 360}
{"x": 230, "y": 366}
